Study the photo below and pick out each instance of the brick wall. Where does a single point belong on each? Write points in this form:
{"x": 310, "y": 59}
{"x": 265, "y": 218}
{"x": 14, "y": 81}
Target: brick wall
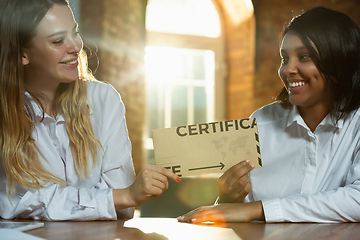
{"x": 239, "y": 31}
{"x": 117, "y": 29}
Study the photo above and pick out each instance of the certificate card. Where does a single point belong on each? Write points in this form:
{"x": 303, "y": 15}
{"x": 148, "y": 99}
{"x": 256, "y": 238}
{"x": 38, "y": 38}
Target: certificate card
{"x": 207, "y": 147}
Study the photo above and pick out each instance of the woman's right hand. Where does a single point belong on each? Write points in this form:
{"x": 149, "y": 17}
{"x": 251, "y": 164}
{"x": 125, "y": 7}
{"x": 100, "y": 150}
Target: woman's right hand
{"x": 151, "y": 181}
{"x": 233, "y": 185}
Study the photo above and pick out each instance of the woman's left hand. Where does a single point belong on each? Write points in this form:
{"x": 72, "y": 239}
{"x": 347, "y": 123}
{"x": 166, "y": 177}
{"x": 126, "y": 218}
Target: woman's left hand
{"x": 225, "y": 212}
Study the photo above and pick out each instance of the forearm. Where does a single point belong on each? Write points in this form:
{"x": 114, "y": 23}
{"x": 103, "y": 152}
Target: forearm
{"x": 244, "y": 212}
{"x": 123, "y": 199}
{"x": 256, "y": 211}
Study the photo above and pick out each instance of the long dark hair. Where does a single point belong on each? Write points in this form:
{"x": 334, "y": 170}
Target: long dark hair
{"x": 334, "y": 41}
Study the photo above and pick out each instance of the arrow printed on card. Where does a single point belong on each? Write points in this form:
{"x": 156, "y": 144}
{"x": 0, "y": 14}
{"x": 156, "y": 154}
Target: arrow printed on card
{"x": 221, "y": 166}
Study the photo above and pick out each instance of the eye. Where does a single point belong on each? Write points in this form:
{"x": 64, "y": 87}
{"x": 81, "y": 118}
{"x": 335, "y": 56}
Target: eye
{"x": 305, "y": 56}
{"x": 58, "y": 41}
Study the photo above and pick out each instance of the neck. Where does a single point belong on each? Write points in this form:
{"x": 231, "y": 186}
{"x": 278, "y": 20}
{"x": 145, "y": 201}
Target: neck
{"x": 45, "y": 99}
{"x": 43, "y": 90}
{"x": 313, "y": 115}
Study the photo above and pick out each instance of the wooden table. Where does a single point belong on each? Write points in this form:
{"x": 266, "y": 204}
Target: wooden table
{"x": 169, "y": 228}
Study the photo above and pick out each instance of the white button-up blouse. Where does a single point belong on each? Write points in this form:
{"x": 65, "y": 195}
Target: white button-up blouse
{"x": 83, "y": 199}
{"x": 307, "y": 176}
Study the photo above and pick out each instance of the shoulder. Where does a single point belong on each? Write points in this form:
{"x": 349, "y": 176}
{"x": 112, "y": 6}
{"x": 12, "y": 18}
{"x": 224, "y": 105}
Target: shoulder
{"x": 356, "y": 114}
{"x": 101, "y": 89}
{"x": 352, "y": 120}
{"x": 270, "y": 113}
{"x": 103, "y": 96}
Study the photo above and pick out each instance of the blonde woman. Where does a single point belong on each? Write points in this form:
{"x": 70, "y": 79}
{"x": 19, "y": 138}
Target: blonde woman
{"x": 65, "y": 151}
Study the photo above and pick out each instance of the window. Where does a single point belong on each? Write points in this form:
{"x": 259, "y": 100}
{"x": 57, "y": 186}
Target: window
{"x": 184, "y": 62}
{"x": 180, "y": 84}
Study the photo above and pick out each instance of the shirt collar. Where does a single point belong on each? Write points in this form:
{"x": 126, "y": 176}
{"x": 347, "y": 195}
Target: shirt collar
{"x": 39, "y": 112}
{"x": 294, "y": 116}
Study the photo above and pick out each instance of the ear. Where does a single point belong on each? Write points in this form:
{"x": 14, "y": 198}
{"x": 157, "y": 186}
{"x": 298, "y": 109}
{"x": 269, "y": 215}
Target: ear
{"x": 25, "y": 57}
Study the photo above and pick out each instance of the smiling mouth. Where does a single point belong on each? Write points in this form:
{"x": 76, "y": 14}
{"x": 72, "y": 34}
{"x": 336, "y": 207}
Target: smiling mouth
{"x": 71, "y": 62}
{"x": 296, "y": 84}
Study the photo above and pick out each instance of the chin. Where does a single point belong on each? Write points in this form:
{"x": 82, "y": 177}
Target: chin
{"x": 70, "y": 79}
{"x": 295, "y": 102}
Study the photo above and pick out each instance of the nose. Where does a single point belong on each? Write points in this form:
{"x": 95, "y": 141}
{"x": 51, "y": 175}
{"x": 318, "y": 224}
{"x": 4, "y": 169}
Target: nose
{"x": 75, "y": 45}
{"x": 290, "y": 68}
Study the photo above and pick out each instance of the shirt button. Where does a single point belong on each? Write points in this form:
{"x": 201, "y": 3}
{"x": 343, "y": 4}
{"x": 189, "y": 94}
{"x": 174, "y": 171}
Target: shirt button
{"x": 56, "y": 143}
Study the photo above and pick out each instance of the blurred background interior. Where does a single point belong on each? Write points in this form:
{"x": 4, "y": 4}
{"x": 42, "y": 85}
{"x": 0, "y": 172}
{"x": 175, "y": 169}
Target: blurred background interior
{"x": 181, "y": 62}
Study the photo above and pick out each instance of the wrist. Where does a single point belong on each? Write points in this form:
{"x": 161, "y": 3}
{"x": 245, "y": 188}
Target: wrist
{"x": 122, "y": 199}
{"x": 257, "y": 211}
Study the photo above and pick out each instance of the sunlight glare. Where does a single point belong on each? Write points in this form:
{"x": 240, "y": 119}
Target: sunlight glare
{"x": 239, "y": 10}
{"x": 198, "y": 17}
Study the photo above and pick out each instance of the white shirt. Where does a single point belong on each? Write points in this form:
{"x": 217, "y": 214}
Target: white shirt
{"x": 84, "y": 199}
{"x": 307, "y": 176}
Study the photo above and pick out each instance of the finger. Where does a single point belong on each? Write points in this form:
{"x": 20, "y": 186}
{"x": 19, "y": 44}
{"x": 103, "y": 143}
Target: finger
{"x": 230, "y": 172}
{"x": 208, "y": 216}
{"x": 190, "y": 215}
{"x": 240, "y": 183}
{"x": 203, "y": 214}
{"x": 234, "y": 168}
{"x": 158, "y": 185}
{"x": 244, "y": 192}
{"x": 241, "y": 170}
{"x": 238, "y": 171}
{"x": 166, "y": 172}
{"x": 240, "y": 195}
{"x": 154, "y": 175}
{"x": 231, "y": 177}
{"x": 153, "y": 188}
{"x": 152, "y": 179}
{"x": 154, "y": 172}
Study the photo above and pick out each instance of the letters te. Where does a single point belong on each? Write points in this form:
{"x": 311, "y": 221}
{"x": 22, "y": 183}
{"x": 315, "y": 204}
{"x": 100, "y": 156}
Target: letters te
{"x": 175, "y": 169}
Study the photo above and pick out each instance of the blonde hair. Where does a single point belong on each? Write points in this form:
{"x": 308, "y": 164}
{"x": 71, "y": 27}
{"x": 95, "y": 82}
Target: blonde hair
{"x": 74, "y": 104}
{"x": 19, "y": 153}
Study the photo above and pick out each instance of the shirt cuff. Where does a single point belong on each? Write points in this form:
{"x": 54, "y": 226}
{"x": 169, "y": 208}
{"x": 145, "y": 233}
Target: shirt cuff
{"x": 109, "y": 207}
{"x": 272, "y": 210}
{"x": 99, "y": 199}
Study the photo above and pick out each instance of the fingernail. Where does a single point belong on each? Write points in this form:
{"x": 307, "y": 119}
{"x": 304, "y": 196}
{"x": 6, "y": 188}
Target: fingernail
{"x": 178, "y": 179}
{"x": 247, "y": 161}
{"x": 252, "y": 166}
{"x": 193, "y": 220}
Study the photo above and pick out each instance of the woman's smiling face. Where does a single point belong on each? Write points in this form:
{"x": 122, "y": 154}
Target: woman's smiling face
{"x": 306, "y": 85}
{"x": 52, "y": 57}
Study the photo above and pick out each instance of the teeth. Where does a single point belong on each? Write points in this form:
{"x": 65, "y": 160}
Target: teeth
{"x": 72, "y": 62}
{"x": 296, "y": 84}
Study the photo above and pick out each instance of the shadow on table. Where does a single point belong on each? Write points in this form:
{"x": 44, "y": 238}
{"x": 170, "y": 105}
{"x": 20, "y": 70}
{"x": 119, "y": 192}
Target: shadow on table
{"x": 313, "y": 231}
{"x": 182, "y": 197}
{"x": 299, "y": 231}
{"x": 93, "y": 231}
